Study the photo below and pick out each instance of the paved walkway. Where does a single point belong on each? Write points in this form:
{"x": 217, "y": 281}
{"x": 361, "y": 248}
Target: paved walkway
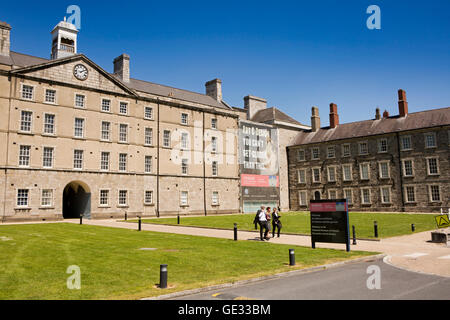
{"x": 411, "y": 252}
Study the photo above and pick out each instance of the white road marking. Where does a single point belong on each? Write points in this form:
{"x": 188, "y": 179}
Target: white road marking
{"x": 415, "y": 255}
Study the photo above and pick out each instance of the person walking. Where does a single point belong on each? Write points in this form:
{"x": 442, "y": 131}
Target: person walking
{"x": 263, "y": 225}
{"x": 256, "y": 220}
{"x": 276, "y": 223}
{"x": 268, "y": 217}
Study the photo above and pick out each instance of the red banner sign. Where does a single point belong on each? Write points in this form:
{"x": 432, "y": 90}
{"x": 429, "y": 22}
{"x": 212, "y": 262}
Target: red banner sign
{"x": 255, "y": 180}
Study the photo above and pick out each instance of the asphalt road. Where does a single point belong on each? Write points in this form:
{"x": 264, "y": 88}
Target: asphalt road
{"x": 348, "y": 282}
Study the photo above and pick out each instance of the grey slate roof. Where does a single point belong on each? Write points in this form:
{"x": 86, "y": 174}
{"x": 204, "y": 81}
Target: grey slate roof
{"x": 21, "y": 60}
{"x": 270, "y": 115}
{"x": 416, "y": 120}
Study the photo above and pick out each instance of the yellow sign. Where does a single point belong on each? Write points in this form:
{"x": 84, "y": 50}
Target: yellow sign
{"x": 442, "y": 221}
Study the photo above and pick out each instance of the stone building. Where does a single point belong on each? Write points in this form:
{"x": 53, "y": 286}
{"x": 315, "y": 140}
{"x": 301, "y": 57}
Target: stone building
{"x": 389, "y": 163}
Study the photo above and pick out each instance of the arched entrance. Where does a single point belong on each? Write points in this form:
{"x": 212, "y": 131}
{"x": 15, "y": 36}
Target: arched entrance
{"x": 317, "y": 195}
{"x": 76, "y": 200}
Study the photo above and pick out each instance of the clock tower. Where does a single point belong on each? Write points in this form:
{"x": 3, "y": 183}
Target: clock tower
{"x": 64, "y": 40}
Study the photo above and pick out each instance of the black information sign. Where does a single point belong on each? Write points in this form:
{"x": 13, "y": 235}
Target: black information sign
{"x": 329, "y": 222}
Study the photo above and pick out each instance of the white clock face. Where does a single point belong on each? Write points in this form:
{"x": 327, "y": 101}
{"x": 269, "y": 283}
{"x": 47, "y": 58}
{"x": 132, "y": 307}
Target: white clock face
{"x": 80, "y": 72}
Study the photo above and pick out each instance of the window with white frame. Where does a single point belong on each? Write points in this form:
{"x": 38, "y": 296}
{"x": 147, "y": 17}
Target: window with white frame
{"x": 213, "y": 123}
{"x": 79, "y": 128}
{"x": 27, "y": 92}
{"x": 106, "y": 105}
{"x": 184, "y": 140}
{"x": 410, "y": 194}
{"x": 213, "y": 144}
{"x": 385, "y": 195}
{"x": 215, "y": 198}
{"x": 104, "y": 197}
{"x": 301, "y": 173}
{"x": 382, "y": 145}
{"x": 148, "y": 113}
{"x": 123, "y": 132}
{"x": 365, "y": 196}
{"x": 364, "y": 148}
{"x": 47, "y": 197}
{"x": 346, "y": 150}
{"x": 302, "y": 198}
{"x": 50, "y": 96}
{"x": 332, "y": 174}
{"x": 365, "y": 171}
{"x": 123, "y": 162}
{"x": 315, "y": 153}
{"x": 123, "y": 197}
{"x": 184, "y": 166}
{"x": 22, "y": 197}
{"x": 430, "y": 140}
{"x": 26, "y": 118}
{"x": 148, "y": 136}
{"x": 78, "y": 159}
{"x": 408, "y": 168}
{"x": 405, "y": 143}
{"x": 148, "y": 197}
{"x": 347, "y": 172}
{"x": 435, "y": 193}
{"x": 24, "y": 156}
{"x": 148, "y": 164}
{"x": 80, "y": 100}
{"x": 47, "y": 157}
{"x": 316, "y": 174}
{"x": 104, "y": 161}
{"x": 183, "y": 198}
{"x": 301, "y": 155}
{"x": 166, "y": 139}
{"x": 433, "y": 166}
{"x": 348, "y": 194}
{"x": 331, "y": 152}
{"x": 214, "y": 169}
{"x": 384, "y": 169}
{"x": 49, "y": 123}
{"x": 332, "y": 194}
{"x": 184, "y": 118}
{"x": 106, "y": 130}
{"x": 123, "y": 107}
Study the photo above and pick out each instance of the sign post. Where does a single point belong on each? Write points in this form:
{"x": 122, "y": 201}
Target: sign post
{"x": 329, "y": 222}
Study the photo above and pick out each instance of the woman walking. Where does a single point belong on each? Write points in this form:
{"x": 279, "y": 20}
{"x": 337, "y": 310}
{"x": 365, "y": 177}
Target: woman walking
{"x": 276, "y": 223}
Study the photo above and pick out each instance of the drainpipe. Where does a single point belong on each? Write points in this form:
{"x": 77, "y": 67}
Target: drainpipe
{"x": 157, "y": 163}
{"x": 400, "y": 171}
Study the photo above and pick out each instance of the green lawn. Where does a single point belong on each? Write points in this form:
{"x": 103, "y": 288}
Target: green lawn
{"x": 34, "y": 260}
{"x": 389, "y": 225}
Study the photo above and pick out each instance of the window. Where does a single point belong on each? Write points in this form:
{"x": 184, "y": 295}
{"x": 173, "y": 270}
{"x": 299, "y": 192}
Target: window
{"x": 433, "y": 167}
{"x": 123, "y": 132}
{"x": 106, "y": 127}
{"x": 24, "y": 156}
{"x": 184, "y": 166}
{"x": 331, "y": 152}
{"x": 148, "y": 113}
{"x": 364, "y": 170}
{"x": 104, "y": 161}
{"x": 183, "y": 198}
{"x": 50, "y": 96}
{"x": 22, "y": 198}
{"x": 410, "y": 194}
{"x": 384, "y": 170}
{"x": 104, "y": 198}
{"x": 348, "y": 194}
{"x": 213, "y": 123}
{"x": 123, "y": 197}
{"x": 302, "y": 196}
{"x": 435, "y": 194}
{"x": 316, "y": 174}
{"x": 27, "y": 92}
{"x": 301, "y": 155}
{"x": 25, "y": 121}
{"x": 430, "y": 140}
{"x": 78, "y": 159}
{"x": 123, "y": 108}
{"x": 47, "y": 157}
{"x": 215, "y": 168}
{"x": 184, "y": 141}
{"x": 215, "y": 198}
{"x": 365, "y": 196}
{"x": 80, "y": 101}
{"x": 347, "y": 172}
{"x": 332, "y": 194}
{"x": 346, "y": 150}
{"x": 148, "y": 164}
{"x": 385, "y": 195}
{"x": 213, "y": 144}
{"x": 363, "y": 148}
{"x": 123, "y": 162}
{"x": 184, "y": 118}
{"x": 47, "y": 198}
{"x": 382, "y": 146}
{"x": 166, "y": 139}
{"x": 148, "y": 136}
{"x": 148, "y": 198}
{"x": 301, "y": 175}
{"x": 79, "y": 128}
{"x": 408, "y": 168}
{"x": 106, "y": 105}
{"x": 315, "y": 153}
{"x": 405, "y": 143}
{"x": 49, "y": 123}
{"x": 331, "y": 174}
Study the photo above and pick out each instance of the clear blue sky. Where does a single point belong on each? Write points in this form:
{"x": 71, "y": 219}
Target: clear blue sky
{"x": 295, "y": 54}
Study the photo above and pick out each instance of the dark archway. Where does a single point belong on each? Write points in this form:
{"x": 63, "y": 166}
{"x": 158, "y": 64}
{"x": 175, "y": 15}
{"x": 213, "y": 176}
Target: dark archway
{"x": 317, "y": 195}
{"x": 76, "y": 200}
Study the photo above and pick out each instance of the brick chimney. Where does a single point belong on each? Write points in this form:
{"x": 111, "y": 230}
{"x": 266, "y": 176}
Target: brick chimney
{"x": 315, "y": 119}
{"x": 5, "y": 39}
{"x": 386, "y": 114}
{"x": 122, "y": 67}
{"x": 377, "y": 114}
{"x": 402, "y": 103}
{"x": 334, "y": 117}
{"x": 254, "y": 104}
{"x": 214, "y": 89}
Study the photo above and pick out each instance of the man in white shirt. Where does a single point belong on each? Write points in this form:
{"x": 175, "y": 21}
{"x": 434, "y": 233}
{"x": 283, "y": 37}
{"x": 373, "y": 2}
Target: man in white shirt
{"x": 263, "y": 224}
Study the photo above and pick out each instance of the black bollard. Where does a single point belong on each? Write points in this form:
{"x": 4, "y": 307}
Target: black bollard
{"x": 163, "y": 276}
{"x": 235, "y": 232}
{"x": 354, "y": 235}
{"x": 139, "y": 224}
{"x": 178, "y": 219}
{"x": 291, "y": 257}
{"x": 413, "y": 227}
{"x": 81, "y": 219}
{"x": 126, "y": 217}
{"x": 375, "y": 229}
